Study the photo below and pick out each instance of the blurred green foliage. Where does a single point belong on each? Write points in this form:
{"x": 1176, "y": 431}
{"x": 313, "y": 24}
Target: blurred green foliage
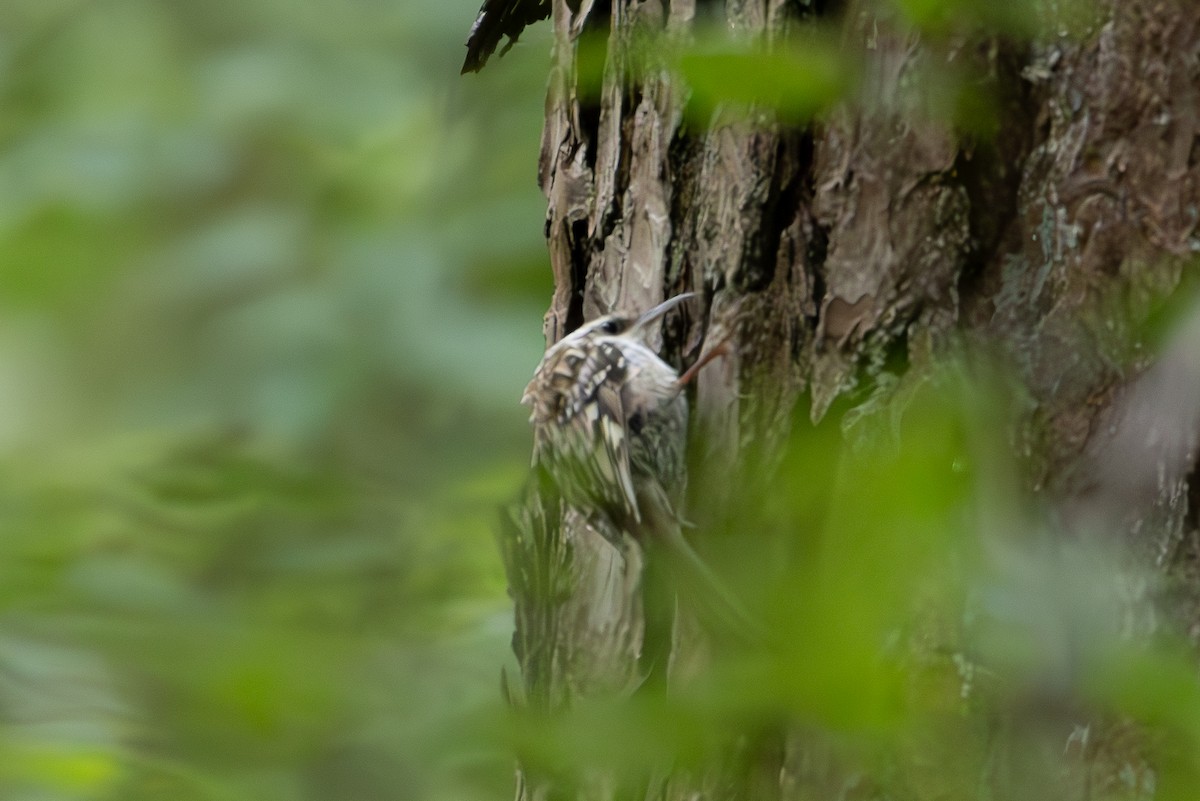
{"x": 270, "y": 283}
{"x": 797, "y": 79}
{"x": 935, "y": 633}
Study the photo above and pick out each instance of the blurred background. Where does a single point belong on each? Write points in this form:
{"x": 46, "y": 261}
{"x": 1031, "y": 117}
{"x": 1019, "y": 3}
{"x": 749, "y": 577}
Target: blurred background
{"x": 272, "y": 278}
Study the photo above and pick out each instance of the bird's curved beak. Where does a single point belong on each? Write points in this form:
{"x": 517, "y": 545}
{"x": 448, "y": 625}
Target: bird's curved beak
{"x": 641, "y": 324}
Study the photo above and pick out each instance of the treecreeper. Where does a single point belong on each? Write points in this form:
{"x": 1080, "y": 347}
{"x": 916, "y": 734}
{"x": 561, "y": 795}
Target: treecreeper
{"x": 610, "y": 422}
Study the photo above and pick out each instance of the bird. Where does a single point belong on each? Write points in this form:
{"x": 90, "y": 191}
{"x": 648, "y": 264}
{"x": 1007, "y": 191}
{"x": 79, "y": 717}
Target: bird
{"x": 609, "y": 416}
{"x": 610, "y": 424}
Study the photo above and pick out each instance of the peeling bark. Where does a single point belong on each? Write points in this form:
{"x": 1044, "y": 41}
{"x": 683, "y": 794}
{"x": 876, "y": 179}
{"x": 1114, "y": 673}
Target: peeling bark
{"x": 879, "y": 230}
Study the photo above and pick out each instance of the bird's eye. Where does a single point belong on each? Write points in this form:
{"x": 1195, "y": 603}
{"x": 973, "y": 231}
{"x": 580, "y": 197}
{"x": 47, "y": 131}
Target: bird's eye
{"x": 611, "y": 327}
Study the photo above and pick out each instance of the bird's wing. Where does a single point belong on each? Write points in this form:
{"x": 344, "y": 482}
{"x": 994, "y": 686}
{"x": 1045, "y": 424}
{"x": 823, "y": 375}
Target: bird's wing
{"x": 590, "y": 430}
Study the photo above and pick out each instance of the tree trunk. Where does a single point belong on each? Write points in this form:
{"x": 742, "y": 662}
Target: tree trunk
{"x": 880, "y": 234}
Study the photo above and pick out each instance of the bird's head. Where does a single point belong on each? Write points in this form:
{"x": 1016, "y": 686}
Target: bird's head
{"x": 632, "y": 326}
{"x": 568, "y": 361}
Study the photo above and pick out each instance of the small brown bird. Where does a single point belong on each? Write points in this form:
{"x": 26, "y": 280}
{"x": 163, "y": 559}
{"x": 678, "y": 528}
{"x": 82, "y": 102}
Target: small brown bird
{"x": 609, "y": 416}
{"x": 610, "y": 428}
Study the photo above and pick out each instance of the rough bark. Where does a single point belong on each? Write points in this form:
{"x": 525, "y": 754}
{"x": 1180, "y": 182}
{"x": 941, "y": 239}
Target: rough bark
{"x": 876, "y": 233}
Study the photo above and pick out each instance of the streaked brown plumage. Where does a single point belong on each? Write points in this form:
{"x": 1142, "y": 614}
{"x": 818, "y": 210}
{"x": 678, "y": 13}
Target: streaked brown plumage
{"x": 609, "y": 417}
{"x": 610, "y": 429}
